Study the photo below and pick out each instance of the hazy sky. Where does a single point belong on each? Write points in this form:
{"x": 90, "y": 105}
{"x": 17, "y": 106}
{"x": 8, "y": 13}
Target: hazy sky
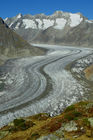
{"x": 9, "y": 8}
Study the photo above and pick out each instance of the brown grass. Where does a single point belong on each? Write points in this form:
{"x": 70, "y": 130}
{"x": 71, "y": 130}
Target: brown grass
{"x": 45, "y": 125}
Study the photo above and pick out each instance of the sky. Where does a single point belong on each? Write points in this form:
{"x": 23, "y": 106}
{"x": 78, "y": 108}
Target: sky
{"x": 10, "y": 8}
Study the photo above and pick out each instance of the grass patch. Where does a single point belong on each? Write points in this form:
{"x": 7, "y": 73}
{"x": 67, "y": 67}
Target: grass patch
{"x": 41, "y": 116}
{"x": 82, "y": 103}
{"x": 18, "y": 122}
{"x": 70, "y": 108}
{"x": 86, "y": 122}
{"x": 21, "y": 124}
{"x": 72, "y": 115}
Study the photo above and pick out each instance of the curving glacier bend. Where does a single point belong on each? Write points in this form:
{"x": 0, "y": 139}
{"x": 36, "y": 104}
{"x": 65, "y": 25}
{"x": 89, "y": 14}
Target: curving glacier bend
{"x": 40, "y": 84}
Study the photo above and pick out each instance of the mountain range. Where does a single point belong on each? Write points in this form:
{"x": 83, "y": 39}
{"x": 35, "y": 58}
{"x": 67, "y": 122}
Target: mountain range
{"x": 59, "y": 28}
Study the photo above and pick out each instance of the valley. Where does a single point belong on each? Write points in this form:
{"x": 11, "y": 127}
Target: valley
{"x": 40, "y": 83}
{"x": 46, "y": 70}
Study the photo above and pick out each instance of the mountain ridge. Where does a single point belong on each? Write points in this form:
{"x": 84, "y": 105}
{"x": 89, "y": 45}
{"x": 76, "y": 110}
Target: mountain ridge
{"x": 37, "y": 28}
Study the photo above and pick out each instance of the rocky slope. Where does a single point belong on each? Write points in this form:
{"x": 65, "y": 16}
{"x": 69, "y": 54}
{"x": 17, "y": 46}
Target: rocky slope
{"x": 59, "y": 28}
{"x": 75, "y": 123}
{"x": 89, "y": 72}
{"x": 12, "y": 45}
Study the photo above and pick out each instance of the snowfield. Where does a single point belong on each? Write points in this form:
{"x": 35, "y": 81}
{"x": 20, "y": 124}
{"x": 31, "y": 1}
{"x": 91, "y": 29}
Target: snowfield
{"x": 75, "y": 20}
{"x": 60, "y": 23}
{"x": 40, "y": 84}
{"x": 55, "y": 21}
{"x": 28, "y": 23}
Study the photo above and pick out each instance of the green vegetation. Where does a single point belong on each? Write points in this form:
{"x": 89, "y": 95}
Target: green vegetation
{"x": 21, "y": 124}
{"x": 70, "y": 108}
{"x": 86, "y": 122}
{"x": 72, "y": 115}
{"x": 75, "y": 123}
{"x": 41, "y": 116}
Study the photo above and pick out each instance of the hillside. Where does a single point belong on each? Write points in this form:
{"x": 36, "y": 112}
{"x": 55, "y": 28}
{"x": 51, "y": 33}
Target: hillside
{"x": 75, "y": 123}
{"x": 12, "y": 45}
{"x": 59, "y": 28}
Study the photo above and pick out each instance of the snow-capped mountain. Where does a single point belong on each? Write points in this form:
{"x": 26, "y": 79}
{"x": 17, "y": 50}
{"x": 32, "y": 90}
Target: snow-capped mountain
{"x": 48, "y": 29}
{"x": 58, "y": 21}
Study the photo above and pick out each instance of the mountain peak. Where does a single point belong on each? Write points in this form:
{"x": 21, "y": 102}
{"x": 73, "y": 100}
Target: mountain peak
{"x": 42, "y": 15}
{"x": 58, "y": 13}
{"x": 80, "y": 14}
{"x": 19, "y": 15}
{"x": 59, "y": 27}
{"x": 6, "y": 19}
{"x": 3, "y": 23}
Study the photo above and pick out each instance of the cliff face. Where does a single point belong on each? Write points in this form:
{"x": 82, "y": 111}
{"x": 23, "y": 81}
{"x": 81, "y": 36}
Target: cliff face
{"x": 75, "y": 123}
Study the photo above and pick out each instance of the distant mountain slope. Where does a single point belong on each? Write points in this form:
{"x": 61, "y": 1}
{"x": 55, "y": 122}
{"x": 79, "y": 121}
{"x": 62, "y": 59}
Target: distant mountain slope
{"x": 12, "y": 45}
{"x": 81, "y": 35}
{"x": 59, "y": 28}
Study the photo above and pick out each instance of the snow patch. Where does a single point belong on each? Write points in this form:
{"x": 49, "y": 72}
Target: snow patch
{"x": 89, "y": 21}
{"x": 47, "y": 23}
{"x": 17, "y": 25}
{"x": 19, "y": 16}
{"x": 29, "y": 24}
{"x": 11, "y": 24}
{"x": 6, "y": 19}
{"x": 75, "y": 19}
{"x": 60, "y": 23}
{"x": 42, "y": 24}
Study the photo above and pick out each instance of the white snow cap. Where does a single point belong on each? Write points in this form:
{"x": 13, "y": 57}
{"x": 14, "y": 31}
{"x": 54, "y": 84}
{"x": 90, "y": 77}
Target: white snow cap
{"x": 89, "y": 21}
{"x": 58, "y": 20}
{"x": 60, "y": 23}
{"x": 28, "y": 23}
{"x": 47, "y": 23}
{"x": 19, "y": 15}
{"x": 76, "y": 19}
{"x": 6, "y": 19}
